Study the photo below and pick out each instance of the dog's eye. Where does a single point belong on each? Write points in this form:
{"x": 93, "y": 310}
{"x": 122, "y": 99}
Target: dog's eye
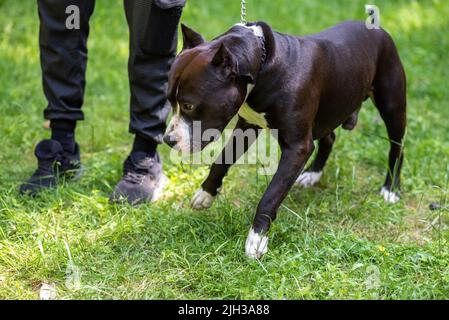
{"x": 188, "y": 106}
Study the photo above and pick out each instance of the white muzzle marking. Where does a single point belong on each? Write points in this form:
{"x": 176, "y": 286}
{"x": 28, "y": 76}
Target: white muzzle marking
{"x": 179, "y": 130}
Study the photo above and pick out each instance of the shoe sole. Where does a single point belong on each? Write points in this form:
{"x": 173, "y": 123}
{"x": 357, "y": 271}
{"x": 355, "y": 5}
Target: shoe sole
{"x": 156, "y": 195}
{"x": 78, "y": 173}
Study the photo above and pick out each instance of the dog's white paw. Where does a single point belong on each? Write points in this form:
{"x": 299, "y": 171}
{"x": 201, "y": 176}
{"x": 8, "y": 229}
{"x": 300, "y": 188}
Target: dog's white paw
{"x": 389, "y": 196}
{"x": 256, "y": 245}
{"x": 309, "y": 179}
{"x": 202, "y": 200}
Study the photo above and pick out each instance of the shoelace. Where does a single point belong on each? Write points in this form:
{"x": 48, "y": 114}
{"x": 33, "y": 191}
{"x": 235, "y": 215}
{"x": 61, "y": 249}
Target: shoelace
{"x": 134, "y": 178}
{"x": 137, "y": 172}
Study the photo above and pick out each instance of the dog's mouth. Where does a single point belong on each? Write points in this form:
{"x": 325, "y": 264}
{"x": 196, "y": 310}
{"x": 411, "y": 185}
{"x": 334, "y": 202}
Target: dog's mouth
{"x": 190, "y": 137}
{"x": 194, "y": 143}
{"x": 196, "y": 146}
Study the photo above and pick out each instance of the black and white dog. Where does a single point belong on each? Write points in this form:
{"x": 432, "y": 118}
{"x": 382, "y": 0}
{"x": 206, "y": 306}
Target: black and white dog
{"x": 305, "y": 87}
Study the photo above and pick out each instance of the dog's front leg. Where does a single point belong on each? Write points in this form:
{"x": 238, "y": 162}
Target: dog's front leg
{"x": 293, "y": 160}
{"x": 242, "y": 138}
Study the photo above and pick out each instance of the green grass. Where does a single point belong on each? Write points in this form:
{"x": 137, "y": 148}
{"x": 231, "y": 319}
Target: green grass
{"x": 338, "y": 240}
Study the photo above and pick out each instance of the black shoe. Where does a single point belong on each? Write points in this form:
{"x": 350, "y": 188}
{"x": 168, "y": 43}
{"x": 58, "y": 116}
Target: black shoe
{"x": 142, "y": 180}
{"x": 53, "y": 165}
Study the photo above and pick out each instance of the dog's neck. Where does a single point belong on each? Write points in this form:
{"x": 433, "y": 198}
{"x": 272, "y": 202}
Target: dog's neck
{"x": 259, "y": 34}
{"x": 245, "y": 110}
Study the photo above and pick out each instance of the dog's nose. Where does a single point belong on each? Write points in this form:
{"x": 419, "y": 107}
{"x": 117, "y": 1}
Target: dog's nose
{"x": 168, "y": 139}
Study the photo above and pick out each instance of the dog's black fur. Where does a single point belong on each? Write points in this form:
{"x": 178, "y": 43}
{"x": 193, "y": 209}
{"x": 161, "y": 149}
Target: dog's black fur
{"x": 306, "y": 86}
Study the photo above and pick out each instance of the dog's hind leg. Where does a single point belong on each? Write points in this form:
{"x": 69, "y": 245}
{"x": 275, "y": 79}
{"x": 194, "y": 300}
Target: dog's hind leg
{"x": 242, "y": 138}
{"x": 390, "y": 100}
{"x": 312, "y": 175}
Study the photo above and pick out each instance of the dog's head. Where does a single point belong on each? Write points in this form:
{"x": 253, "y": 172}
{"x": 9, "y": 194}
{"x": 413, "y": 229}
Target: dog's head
{"x": 206, "y": 89}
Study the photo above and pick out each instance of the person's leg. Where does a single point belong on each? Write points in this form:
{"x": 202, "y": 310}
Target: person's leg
{"x": 63, "y": 53}
{"x": 153, "y": 40}
{"x": 63, "y": 49}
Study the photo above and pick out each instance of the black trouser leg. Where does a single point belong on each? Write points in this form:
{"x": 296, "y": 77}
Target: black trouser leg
{"x": 153, "y": 40}
{"x": 63, "y": 57}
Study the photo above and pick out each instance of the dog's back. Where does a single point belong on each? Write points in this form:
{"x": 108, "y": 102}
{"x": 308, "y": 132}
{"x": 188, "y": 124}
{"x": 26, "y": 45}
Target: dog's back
{"x": 353, "y": 60}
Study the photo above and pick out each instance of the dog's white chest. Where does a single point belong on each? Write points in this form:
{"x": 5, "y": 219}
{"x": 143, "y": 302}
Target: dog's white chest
{"x": 252, "y": 116}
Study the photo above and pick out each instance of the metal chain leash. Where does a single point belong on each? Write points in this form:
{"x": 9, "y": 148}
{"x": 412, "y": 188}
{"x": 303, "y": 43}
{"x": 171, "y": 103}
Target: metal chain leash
{"x": 243, "y": 12}
{"x": 244, "y": 22}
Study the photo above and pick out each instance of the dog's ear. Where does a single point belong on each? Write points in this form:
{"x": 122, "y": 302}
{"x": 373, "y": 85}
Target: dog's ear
{"x": 224, "y": 60}
{"x": 190, "y": 38}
